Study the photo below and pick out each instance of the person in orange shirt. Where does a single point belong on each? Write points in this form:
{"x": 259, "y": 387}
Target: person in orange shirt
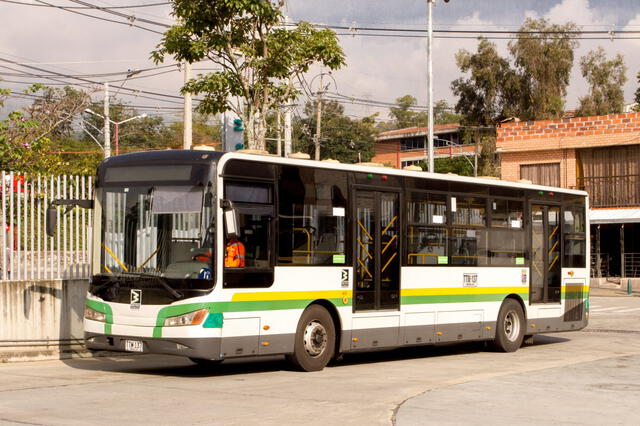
{"x": 234, "y": 254}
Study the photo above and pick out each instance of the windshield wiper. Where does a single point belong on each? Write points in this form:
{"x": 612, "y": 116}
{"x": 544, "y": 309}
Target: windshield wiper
{"x": 165, "y": 283}
{"x": 140, "y": 276}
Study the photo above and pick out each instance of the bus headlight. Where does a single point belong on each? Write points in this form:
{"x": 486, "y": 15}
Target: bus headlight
{"x": 92, "y": 314}
{"x": 191, "y": 318}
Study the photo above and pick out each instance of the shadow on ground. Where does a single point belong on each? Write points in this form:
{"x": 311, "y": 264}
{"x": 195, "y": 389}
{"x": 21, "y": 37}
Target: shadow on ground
{"x": 182, "y": 367}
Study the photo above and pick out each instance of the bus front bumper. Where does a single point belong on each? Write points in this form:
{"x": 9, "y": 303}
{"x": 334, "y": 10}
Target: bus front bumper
{"x": 204, "y": 348}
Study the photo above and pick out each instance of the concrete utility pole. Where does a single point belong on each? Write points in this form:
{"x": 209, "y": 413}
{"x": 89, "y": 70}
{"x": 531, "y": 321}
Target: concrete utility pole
{"x": 287, "y": 131}
{"x": 318, "y": 122}
{"x": 429, "y": 147}
{"x": 107, "y": 134}
{"x": 188, "y": 133}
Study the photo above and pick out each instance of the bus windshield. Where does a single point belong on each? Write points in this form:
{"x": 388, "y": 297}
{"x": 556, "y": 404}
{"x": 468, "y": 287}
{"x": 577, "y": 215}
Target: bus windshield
{"x": 159, "y": 230}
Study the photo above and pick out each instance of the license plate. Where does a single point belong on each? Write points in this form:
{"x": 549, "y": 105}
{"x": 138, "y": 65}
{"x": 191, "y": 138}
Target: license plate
{"x": 133, "y": 345}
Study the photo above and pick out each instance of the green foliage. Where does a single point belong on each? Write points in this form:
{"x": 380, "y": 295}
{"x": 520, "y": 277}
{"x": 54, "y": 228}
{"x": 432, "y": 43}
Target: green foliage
{"x": 605, "y": 78}
{"x": 342, "y": 138}
{"x": 485, "y": 96}
{"x": 259, "y": 58}
{"x": 139, "y": 134}
{"x": 532, "y": 86}
{"x": 459, "y": 165}
{"x": 403, "y": 116}
{"x": 203, "y": 133}
{"x": 543, "y": 62}
{"x": 637, "y": 95}
{"x": 27, "y": 137}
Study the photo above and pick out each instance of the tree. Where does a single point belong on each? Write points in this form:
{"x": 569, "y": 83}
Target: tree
{"x": 259, "y": 58}
{"x": 404, "y": 116}
{"x": 203, "y": 133}
{"x": 487, "y": 94}
{"x": 532, "y": 86}
{"x": 26, "y": 143}
{"x": 637, "y": 95}
{"x": 342, "y": 138}
{"x": 143, "y": 133}
{"x": 543, "y": 58}
{"x": 605, "y": 78}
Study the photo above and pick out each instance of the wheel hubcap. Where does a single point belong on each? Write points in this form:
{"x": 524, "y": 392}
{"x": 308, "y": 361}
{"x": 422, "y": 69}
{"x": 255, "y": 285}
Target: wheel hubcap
{"x": 512, "y": 326}
{"x": 315, "y": 338}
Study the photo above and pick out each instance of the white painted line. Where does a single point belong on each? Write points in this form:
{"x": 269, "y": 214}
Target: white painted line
{"x": 607, "y": 309}
{"x": 629, "y": 310}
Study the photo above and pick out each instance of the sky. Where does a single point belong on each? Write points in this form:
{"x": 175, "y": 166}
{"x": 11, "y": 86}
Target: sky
{"x": 378, "y": 68}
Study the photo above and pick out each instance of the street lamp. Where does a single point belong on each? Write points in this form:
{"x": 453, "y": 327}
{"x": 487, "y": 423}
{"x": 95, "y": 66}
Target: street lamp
{"x": 117, "y": 127}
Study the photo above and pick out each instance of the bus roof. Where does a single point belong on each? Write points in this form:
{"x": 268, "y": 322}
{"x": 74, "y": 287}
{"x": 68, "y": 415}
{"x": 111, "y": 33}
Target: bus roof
{"x": 203, "y": 157}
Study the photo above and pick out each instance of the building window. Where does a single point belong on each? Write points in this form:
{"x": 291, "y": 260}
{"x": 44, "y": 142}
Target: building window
{"x": 541, "y": 174}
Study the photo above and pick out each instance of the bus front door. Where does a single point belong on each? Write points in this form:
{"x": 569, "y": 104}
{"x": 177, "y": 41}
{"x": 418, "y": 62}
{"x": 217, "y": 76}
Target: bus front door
{"x": 377, "y": 257}
{"x": 545, "y": 254}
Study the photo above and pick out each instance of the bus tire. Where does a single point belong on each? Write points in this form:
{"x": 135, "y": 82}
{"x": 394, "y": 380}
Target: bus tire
{"x": 315, "y": 340}
{"x": 205, "y": 362}
{"x": 510, "y": 327}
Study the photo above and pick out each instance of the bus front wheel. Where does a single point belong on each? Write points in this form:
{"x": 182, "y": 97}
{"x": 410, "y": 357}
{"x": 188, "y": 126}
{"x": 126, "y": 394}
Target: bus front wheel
{"x": 315, "y": 340}
{"x": 510, "y": 327}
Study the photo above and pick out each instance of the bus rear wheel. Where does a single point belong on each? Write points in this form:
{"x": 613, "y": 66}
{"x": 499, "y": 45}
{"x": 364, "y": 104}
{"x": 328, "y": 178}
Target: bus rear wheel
{"x": 510, "y": 327}
{"x": 315, "y": 340}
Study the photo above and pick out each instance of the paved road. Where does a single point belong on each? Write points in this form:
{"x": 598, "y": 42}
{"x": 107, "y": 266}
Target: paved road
{"x": 584, "y": 377}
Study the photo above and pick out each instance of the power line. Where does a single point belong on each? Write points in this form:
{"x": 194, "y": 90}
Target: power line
{"x": 87, "y": 80}
{"x": 130, "y": 24}
{"x": 133, "y": 6}
{"x": 108, "y": 10}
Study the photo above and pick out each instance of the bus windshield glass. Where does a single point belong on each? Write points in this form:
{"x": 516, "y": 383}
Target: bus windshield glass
{"x": 160, "y": 230}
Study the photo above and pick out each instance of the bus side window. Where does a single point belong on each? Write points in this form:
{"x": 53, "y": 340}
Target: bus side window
{"x": 312, "y": 216}
{"x": 247, "y": 256}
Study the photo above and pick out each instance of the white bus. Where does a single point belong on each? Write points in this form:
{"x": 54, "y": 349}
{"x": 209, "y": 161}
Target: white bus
{"x": 338, "y": 258}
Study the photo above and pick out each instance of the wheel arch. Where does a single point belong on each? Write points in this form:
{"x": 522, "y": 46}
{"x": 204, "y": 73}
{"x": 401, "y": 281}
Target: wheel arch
{"x": 518, "y": 299}
{"x": 335, "y": 316}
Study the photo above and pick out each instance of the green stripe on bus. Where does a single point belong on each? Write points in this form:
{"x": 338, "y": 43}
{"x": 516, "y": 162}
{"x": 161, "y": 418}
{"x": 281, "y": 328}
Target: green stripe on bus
{"x": 104, "y": 309}
{"x": 457, "y": 298}
{"x": 244, "y": 306}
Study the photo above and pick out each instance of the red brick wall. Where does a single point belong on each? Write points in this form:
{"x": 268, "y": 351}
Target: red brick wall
{"x": 556, "y": 141}
{"x": 579, "y": 132}
{"x": 511, "y": 162}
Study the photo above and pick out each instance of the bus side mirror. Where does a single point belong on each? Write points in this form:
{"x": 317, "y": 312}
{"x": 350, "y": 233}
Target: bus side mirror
{"x": 231, "y": 222}
{"x": 51, "y": 220}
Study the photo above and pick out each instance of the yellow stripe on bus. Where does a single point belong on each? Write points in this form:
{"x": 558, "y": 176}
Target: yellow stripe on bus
{"x": 289, "y": 295}
{"x": 446, "y": 291}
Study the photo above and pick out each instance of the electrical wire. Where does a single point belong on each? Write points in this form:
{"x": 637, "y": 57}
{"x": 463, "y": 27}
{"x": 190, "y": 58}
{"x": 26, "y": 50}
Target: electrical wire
{"x": 129, "y": 24}
{"x": 133, "y": 6}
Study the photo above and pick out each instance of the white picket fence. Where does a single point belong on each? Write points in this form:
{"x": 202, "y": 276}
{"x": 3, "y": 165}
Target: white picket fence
{"x": 28, "y": 253}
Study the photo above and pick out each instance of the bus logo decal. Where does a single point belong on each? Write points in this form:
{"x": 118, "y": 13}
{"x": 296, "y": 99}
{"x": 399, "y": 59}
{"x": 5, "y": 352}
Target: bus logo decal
{"x": 136, "y": 298}
{"x": 345, "y": 278}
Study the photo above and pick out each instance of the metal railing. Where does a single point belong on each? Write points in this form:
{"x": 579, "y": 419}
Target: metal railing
{"x": 27, "y": 253}
{"x": 632, "y": 265}
{"x": 611, "y": 191}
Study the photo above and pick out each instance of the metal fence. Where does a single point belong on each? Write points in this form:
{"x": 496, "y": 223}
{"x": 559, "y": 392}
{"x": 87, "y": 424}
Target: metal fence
{"x": 632, "y": 265}
{"x": 27, "y": 252}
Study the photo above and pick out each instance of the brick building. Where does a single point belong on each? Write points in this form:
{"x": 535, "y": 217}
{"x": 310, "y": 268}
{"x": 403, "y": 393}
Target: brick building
{"x": 600, "y": 154}
{"x": 404, "y": 147}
